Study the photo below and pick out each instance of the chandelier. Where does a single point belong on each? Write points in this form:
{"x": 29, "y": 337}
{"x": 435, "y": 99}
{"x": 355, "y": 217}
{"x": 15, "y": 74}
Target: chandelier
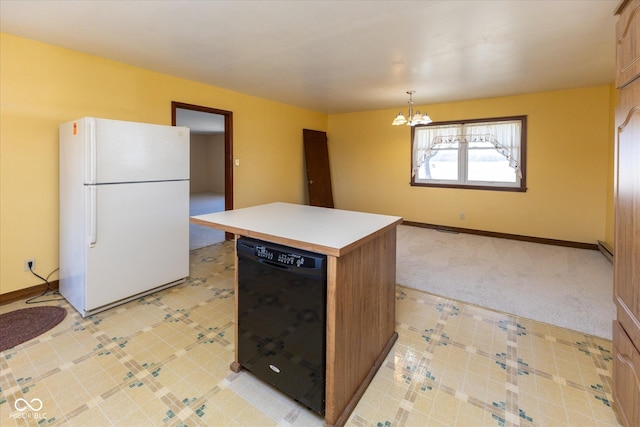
{"x": 414, "y": 119}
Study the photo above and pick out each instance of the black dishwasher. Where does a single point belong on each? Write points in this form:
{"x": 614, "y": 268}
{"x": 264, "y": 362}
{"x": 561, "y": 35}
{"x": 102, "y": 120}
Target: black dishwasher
{"x": 282, "y": 318}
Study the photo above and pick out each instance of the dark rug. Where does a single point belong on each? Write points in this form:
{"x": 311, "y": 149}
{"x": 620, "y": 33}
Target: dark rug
{"x": 21, "y": 325}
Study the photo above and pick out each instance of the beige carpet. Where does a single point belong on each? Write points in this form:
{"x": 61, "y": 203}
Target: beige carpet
{"x": 566, "y": 287}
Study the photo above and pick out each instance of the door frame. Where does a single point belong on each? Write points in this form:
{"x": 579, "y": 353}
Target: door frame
{"x": 228, "y": 144}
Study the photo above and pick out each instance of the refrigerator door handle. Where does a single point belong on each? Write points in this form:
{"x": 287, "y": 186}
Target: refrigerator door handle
{"x": 93, "y": 155}
{"x": 93, "y": 216}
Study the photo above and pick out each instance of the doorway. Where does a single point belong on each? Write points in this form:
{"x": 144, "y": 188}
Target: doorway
{"x": 211, "y": 168}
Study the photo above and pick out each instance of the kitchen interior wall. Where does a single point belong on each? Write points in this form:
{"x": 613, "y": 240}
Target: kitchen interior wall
{"x": 207, "y": 163}
{"x": 42, "y": 86}
{"x": 569, "y": 167}
{"x": 570, "y": 152}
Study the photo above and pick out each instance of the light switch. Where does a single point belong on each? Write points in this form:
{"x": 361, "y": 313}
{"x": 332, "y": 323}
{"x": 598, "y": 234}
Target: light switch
{"x": 237, "y": 162}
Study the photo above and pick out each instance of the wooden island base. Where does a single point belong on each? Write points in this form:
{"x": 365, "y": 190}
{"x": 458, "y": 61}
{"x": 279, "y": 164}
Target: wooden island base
{"x": 342, "y": 419}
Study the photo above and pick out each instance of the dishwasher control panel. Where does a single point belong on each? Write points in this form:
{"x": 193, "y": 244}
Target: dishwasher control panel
{"x": 285, "y": 258}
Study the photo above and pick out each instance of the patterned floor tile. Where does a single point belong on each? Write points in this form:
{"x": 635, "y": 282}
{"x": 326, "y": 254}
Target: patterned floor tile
{"x": 164, "y": 360}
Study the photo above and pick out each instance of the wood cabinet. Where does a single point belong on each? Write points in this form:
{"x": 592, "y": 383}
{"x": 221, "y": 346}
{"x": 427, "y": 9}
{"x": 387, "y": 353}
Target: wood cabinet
{"x": 625, "y": 377}
{"x": 626, "y": 327}
{"x": 627, "y": 42}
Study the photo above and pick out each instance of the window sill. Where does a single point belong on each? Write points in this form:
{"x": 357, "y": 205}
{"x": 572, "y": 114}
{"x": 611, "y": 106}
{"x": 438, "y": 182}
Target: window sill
{"x": 472, "y": 187}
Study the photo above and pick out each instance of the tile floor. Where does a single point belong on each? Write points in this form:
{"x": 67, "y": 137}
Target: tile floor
{"x": 164, "y": 360}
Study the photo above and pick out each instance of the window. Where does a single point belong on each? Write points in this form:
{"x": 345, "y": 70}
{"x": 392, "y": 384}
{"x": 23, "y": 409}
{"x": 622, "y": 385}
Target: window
{"x": 486, "y": 154}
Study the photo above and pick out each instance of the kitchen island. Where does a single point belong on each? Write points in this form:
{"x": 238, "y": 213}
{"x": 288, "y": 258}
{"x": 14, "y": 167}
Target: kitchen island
{"x": 361, "y": 271}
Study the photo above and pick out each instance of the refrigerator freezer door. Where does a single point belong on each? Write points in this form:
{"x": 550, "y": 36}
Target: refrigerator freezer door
{"x": 115, "y": 151}
{"x": 141, "y": 240}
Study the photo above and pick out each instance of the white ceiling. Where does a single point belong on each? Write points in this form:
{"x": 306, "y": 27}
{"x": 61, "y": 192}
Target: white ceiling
{"x": 341, "y": 56}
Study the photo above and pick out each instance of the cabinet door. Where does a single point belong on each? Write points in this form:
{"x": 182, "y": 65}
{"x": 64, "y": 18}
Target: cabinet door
{"x": 626, "y": 377}
{"x": 627, "y": 212}
{"x": 628, "y": 43}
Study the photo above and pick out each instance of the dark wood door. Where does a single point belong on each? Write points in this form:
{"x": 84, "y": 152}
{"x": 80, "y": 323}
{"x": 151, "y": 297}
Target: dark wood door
{"x": 318, "y": 174}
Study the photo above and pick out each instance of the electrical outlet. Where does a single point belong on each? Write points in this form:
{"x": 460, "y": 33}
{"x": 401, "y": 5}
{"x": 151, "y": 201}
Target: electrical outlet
{"x": 26, "y": 264}
{"x": 461, "y": 216}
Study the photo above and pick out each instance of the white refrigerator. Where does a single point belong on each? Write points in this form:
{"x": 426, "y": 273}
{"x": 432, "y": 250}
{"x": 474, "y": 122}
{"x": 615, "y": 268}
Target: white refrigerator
{"x": 124, "y": 211}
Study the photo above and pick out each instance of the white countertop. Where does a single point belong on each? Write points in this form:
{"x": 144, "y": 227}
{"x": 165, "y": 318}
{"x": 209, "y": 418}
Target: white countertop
{"x": 325, "y": 230}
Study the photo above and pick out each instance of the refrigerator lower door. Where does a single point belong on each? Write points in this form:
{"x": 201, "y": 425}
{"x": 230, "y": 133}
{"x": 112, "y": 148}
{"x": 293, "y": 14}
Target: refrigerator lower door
{"x": 139, "y": 236}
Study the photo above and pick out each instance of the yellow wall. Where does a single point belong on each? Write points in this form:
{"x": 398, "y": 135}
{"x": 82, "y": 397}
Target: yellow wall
{"x": 570, "y": 152}
{"x": 568, "y": 167}
{"x": 42, "y": 86}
